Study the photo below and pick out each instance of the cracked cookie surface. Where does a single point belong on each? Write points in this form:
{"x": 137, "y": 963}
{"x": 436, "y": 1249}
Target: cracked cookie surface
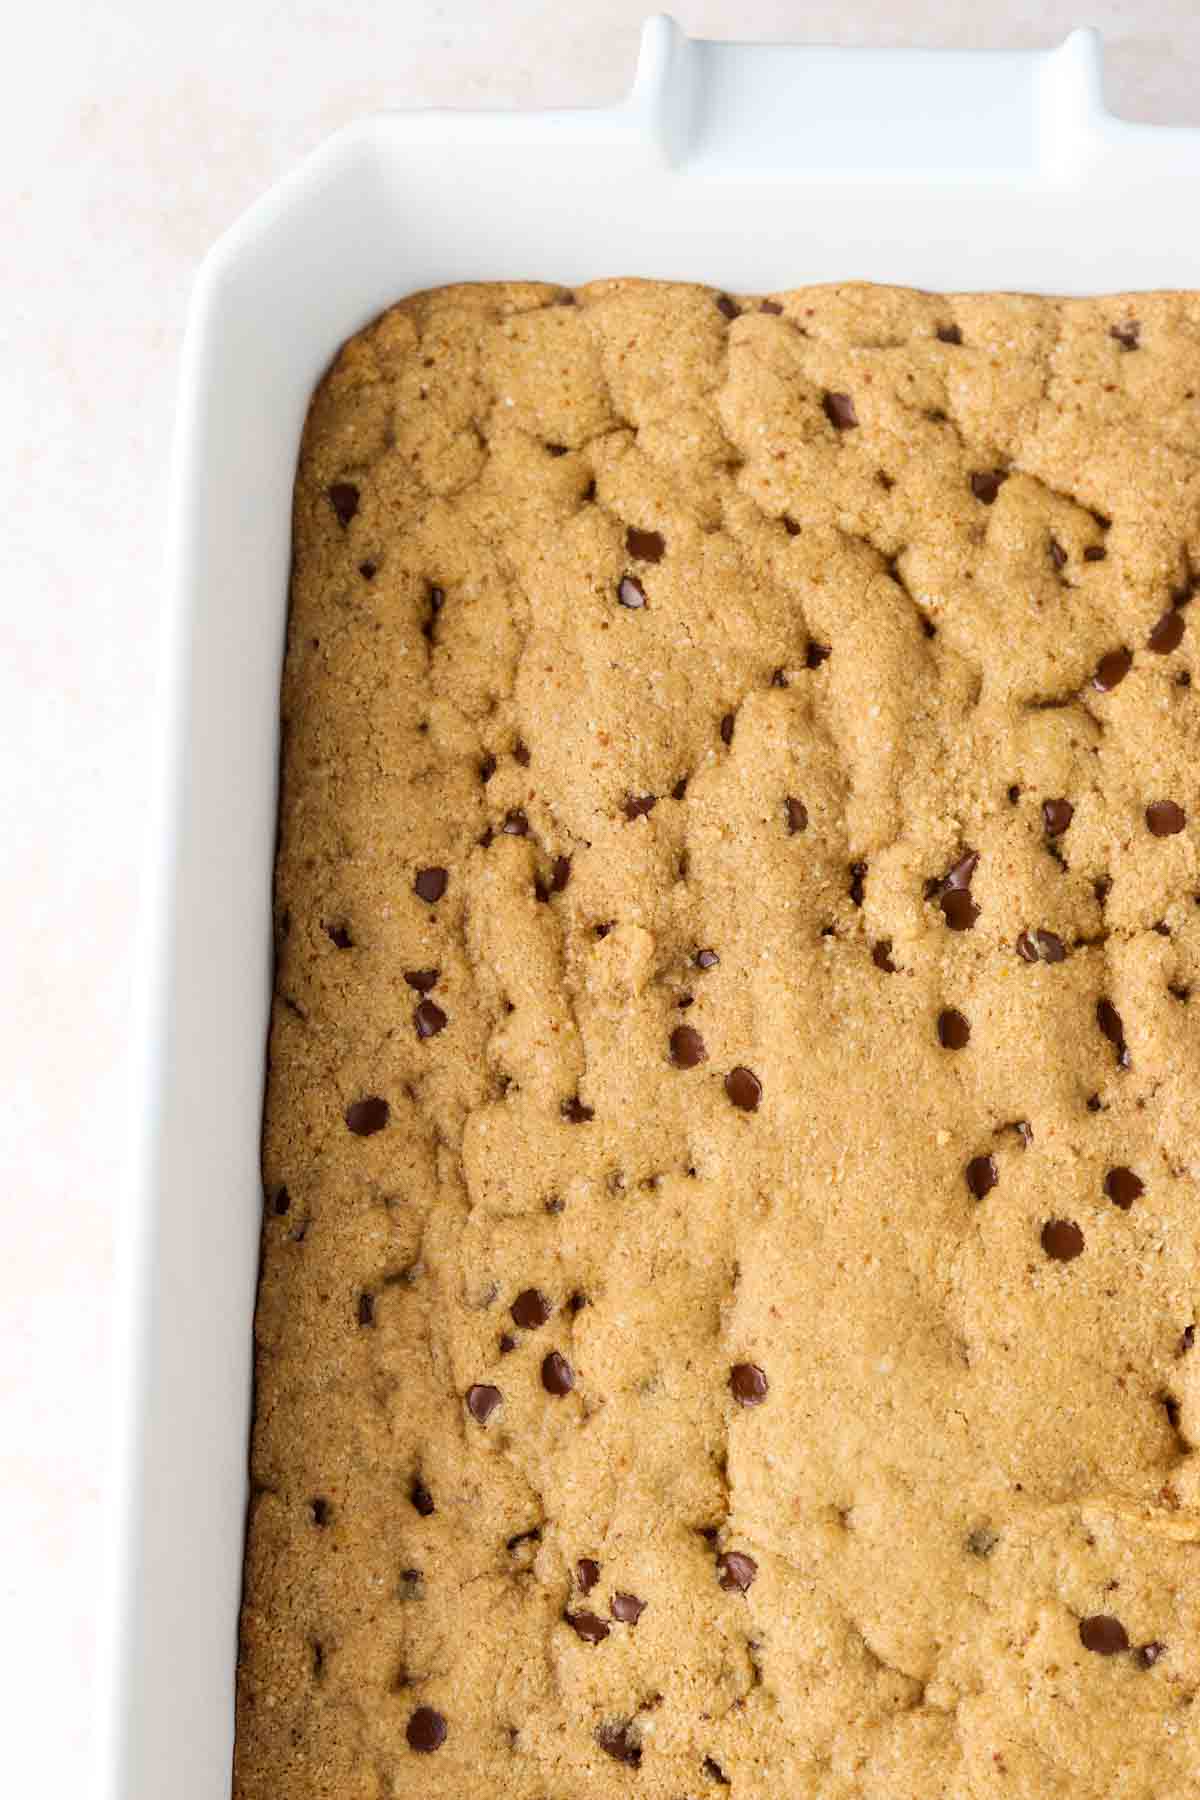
{"x": 729, "y": 1283}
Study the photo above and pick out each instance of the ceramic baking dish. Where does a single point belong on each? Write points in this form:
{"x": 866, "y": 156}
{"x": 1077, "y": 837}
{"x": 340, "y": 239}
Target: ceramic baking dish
{"x": 748, "y": 167}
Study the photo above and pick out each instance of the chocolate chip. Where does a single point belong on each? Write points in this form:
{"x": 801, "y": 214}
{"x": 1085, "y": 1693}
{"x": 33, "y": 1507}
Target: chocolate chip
{"x": 954, "y": 1032}
{"x": 507, "y": 1344}
{"x": 1103, "y": 1634}
{"x": 343, "y": 497}
{"x": 340, "y": 936}
{"x": 707, "y": 959}
{"x": 986, "y": 484}
{"x": 366, "y": 1309}
{"x": 426, "y": 1730}
{"x": 587, "y": 1573}
{"x": 1127, "y": 333}
{"x": 515, "y": 823}
{"x": 576, "y": 1113}
{"x": 320, "y": 1512}
{"x": 1014, "y": 794}
{"x": 639, "y": 805}
{"x": 748, "y": 1384}
{"x": 1095, "y": 553}
{"x": 627, "y": 1608}
{"x": 1187, "y": 1339}
{"x": 715, "y": 1772}
{"x": 421, "y": 1497}
{"x": 958, "y": 909}
{"x": 430, "y": 884}
{"x": 631, "y": 593}
{"x": 1146, "y": 1655}
{"x": 556, "y": 449}
{"x": 1058, "y": 555}
{"x": 531, "y": 1309}
{"x": 368, "y": 570}
{"x": 532, "y": 1536}
{"x": 1172, "y": 1409}
{"x": 647, "y": 546}
{"x": 1123, "y": 1187}
{"x": 521, "y": 753}
{"x": 680, "y": 788}
{"x": 616, "y": 1742}
{"x": 797, "y": 815}
{"x": 727, "y": 306}
{"x": 744, "y": 1088}
{"x": 1165, "y": 817}
{"x": 560, "y": 874}
{"x": 558, "y": 1377}
{"x": 1027, "y": 948}
{"x": 839, "y": 410}
{"x": 881, "y": 956}
{"x": 949, "y": 334}
{"x": 982, "y": 1175}
{"x": 429, "y": 1019}
{"x": 687, "y": 1047}
{"x": 577, "y": 1302}
{"x": 793, "y": 530}
{"x": 858, "y": 877}
{"x": 281, "y": 1202}
{"x": 1167, "y": 634}
{"x": 727, "y": 729}
{"x": 1062, "y": 1240}
{"x": 815, "y": 654}
{"x": 424, "y": 980}
{"x": 736, "y": 1571}
{"x": 482, "y": 1401}
{"x": 364, "y": 1117}
{"x": 1056, "y": 816}
{"x": 487, "y": 769}
{"x": 771, "y": 306}
{"x": 1109, "y": 1021}
{"x": 1049, "y": 948}
{"x": 982, "y": 1541}
{"x": 587, "y": 1626}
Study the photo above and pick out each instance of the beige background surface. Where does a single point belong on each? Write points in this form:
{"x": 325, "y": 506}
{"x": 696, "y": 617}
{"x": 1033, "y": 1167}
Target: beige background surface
{"x": 131, "y": 134}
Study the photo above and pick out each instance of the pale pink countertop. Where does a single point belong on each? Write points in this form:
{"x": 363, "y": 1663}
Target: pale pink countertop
{"x": 132, "y": 133}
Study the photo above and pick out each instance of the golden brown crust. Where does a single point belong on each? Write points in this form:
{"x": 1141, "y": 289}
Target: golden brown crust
{"x": 866, "y": 1395}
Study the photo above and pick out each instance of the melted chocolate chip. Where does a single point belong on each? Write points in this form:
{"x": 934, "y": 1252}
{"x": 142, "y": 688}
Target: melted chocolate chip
{"x": 368, "y": 570}
{"x": 858, "y": 877}
{"x": 343, "y": 497}
{"x": 616, "y": 1742}
{"x": 421, "y": 1497}
{"x": 1109, "y": 1021}
{"x": 1146, "y": 1655}
{"x": 736, "y": 1571}
{"x": 687, "y": 1047}
{"x": 839, "y": 410}
{"x": 771, "y": 306}
{"x": 1102, "y": 1634}
{"x": 627, "y": 1609}
{"x": 1056, "y": 816}
{"x": 1095, "y": 553}
{"x": 576, "y": 1113}
{"x": 531, "y": 1309}
{"x": 953, "y": 1029}
{"x": 744, "y": 1088}
{"x": 1165, "y": 817}
{"x": 727, "y": 306}
{"x": 815, "y": 654}
{"x": 982, "y": 1175}
{"x": 482, "y": 1401}
{"x": 958, "y": 909}
{"x": 638, "y": 806}
{"x": 631, "y": 593}
{"x": 986, "y": 484}
{"x": 1027, "y": 948}
{"x": 430, "y": 884}
{"x": 727, "y": 729}
{"x": 1041, "y": 946}
{"x": 424, "y": 980}
{"x": 647, "y": 546}
{"x": 881, "y": 956}
{"x": 587, "y": 1626}
{"x": 429, "y": 1019}
{"x": 426, "y": 1730}
{"x": 1167, "y": 635}
{"x": 797, "y": 815}
{"x": 748, "y": 1384}
{"x": 707, "y": 959}
{"x": 515, "y": 823}
{"x": 365, "y": 1117}
{"x": 1123, "y": 1187}
{"x": 340, "y": 936}
{"x": 715, "y": 1772}
{"x": 558, "y": 1377}
{"x": 587, "y": 1573}
{"x": 1062, "y": 1240}
{"x": 949, "y": 334}
{"x": 1127, "y": 333}
{"x": 1112, "y": 669}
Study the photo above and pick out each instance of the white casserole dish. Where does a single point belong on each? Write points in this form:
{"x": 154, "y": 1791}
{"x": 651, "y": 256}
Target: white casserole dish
{"x": 750, "y": 168}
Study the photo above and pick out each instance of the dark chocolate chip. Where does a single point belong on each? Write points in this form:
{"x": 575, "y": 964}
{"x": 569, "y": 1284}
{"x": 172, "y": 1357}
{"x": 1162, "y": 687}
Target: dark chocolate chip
{"x": 707, "y": 959}
{"x": 320, "y": 1512}
{"x": 639, "y": 805}
{"x": 748, "y": 1384}
{"x": 1109, "y": 1021}
{"x": 631, "y": 593}
{"x": 577, "y": 1302}
{"x": 1165, "y": 817}
{"x": 515, "y": 823}
{"x": 1051, "y": 948}
{"x": 949, "y": 334}
{"x": 954, "y": 1031}
{"x": 1095, "y": 553}
{"x": 1123, "y": 1187}
{"x": 1027, "y": 948}
{"x": 881, "y": 956}
{"x": 1127, "y": 333}
{"x": 1058, "y": 555}
{"x": 507, "y": 1344}
{"x": 790, "y": 526}
{"x": 744, "y": 1088}
{"x": 1103, "y": 1634}
{"x": 986, "y": 484}
{"x": 680, "y": 788}
{"x": 815, "y": 654}
{"x": 482, "y": 1401}
{"x": 1146, "y": 1655}
{"x": 487, "y": 769}
{"x": 521, "y": 753}
{"x": 429, "y": 1019}
{"x": 421, "y": 1497}
{"x": 340, "y": 936}
{"x": 1187, "y": 1339}
{"x": 281, "y": 1202}
{"x": 727, "y": 729}
{"x": 531, "y": 1309}
{"x": 576, "y": 1113}
{"x": 1062, "y": 1240}
{"x": 587, "y": 1573}
{"x": 366, "y": 1309}
{"x": 423, "y": 980}
{"x": 1168, "y": 633}
{"x": 982, "y": 1175}
{"x": 797, "y": 815}
{"x": 1172, "y": 1409}
{"x": 958, "y": 909}
{"x": 343, "y": 497}
{"x": 715, "y": 1772}
{"x": 1056, "y": 816}
{"x": 647, "y": 546}
{"x": 426, "y": 1730}
{"x": 368, "y": 570}
{"x": 839, "y": 410}
{"x": 736, "y": 1571}
{"x": 430, "y": 884}
{"x": 364, "y": 1117}
{"x": 627, "y": 1609}
{"x": 587, "y": 1626}
{"x": 687, "y": 1047}
{"x": 560, "y": 874}
{"x": 771, "y": 306}
{"x": 727, "y": 306}
{"x": 858, "y": 878}
{"x": 556, "y": 449}
{"x": 616, "y": 1742}
{"x": 558, "y": 1377}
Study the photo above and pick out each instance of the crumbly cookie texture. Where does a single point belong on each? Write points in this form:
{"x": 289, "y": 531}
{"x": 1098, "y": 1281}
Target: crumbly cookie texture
{"x": 730, "y": 1275}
